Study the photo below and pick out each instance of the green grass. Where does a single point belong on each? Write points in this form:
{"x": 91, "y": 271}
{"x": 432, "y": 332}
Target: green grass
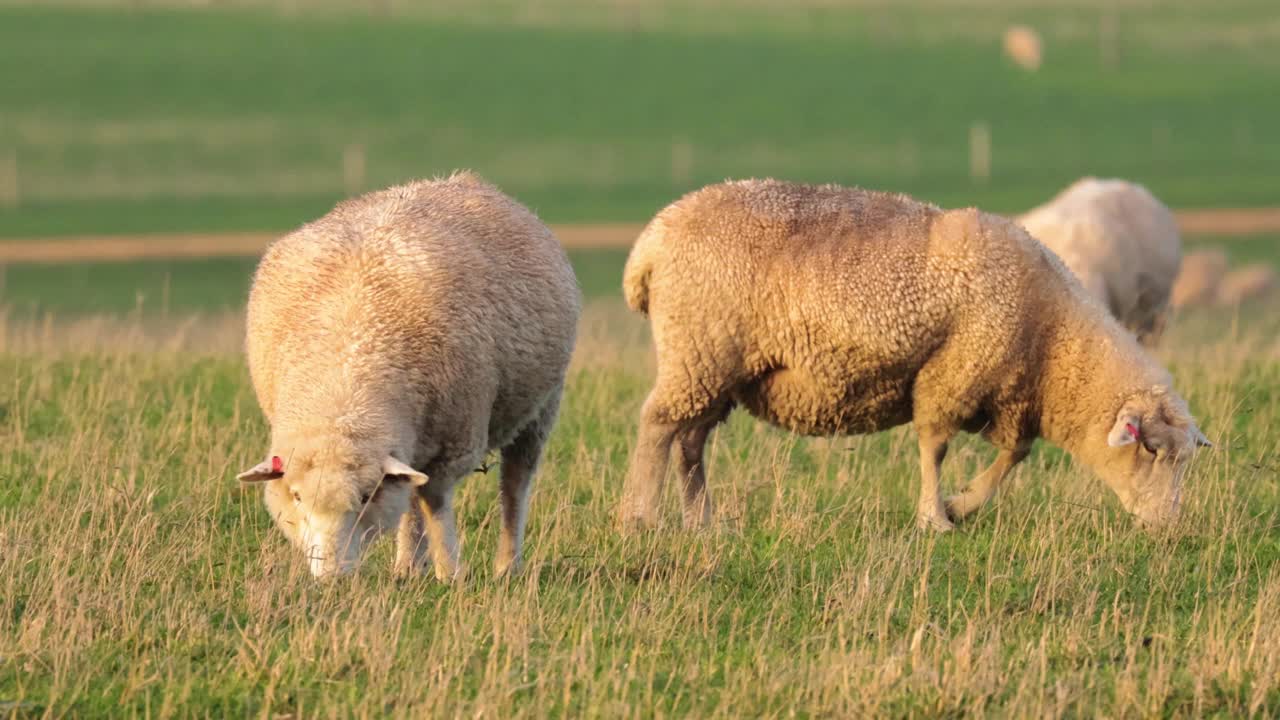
{"x": 152, "y": 119}
{"x": 213, "y": 285}
{"x": 136, "y": 579}
{"x": 1241, "y": 250}
{"x": 163, "y": 287}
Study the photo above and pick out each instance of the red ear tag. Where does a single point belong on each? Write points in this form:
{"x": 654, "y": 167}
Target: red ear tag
{"x": 277, "y": 465}
{"x": 1132, "y": 431}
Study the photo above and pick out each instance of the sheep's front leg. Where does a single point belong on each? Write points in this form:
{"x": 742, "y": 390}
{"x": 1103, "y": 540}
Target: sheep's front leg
{"x": 441, "y": 529}
{"x": 930, "y": 513}
{"x": 411, "y": 539}
{"x": 983, "y": 488}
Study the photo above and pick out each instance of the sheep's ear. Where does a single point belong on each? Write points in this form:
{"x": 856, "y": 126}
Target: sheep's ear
{"x": 1201, "y": 440}
{"x": 394, "y": 468}
{"x": 270, "y": 469}
{"x": 1126, "y": 431}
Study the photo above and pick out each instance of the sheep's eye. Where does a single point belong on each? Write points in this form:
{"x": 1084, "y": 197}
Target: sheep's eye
{"x": 364, "y": 499}
{"x": 297, "y": 497}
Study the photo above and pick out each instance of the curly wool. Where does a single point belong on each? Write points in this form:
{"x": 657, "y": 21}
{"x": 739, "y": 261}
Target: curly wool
{"x": 828, "y": 310}
{"x": 431, "y": 321}
{"x": 1121, "y": 242}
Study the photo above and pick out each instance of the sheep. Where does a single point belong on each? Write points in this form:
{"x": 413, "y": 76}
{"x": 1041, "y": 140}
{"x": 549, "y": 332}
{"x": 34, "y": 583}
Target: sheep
{"x": 829, "y": 311}
{"x": 1121, "y": 242}
{"x": 394, "y": 343}
{"x": 1022, "y": 45}
{"x": 1199, "y": 278}
{"x": 1246, "y": 283}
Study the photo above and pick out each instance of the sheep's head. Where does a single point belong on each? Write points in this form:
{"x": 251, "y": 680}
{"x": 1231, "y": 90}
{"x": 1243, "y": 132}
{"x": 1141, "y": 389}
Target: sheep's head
{"x": 332, "y": 505}
{"x": 1149, "y": 448}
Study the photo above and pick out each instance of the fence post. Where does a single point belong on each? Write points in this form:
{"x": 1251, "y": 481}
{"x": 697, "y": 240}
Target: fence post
{"x": 1109, "y": 37}
{"x": 681, "y": 162}
{"x": 980, "y": 152}
{"x": 353, "y": 168}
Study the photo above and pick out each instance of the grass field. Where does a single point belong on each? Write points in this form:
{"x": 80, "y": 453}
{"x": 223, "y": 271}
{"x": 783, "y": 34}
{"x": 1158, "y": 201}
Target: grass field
{"x": 162, "y": 287}
{"x": 137, "y": 578}
{"x": 123, "y": 117}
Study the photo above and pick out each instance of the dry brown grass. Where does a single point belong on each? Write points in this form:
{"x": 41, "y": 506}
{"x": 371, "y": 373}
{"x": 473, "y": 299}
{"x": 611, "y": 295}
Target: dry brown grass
{"x": 136, "y": 578}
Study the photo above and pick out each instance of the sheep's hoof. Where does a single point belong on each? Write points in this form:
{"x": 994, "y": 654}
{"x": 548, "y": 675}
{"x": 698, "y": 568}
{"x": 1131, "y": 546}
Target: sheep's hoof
{"x": 630, "y": 522}
{"x": 507, "y": 569}
{"x": 934, "y": 522}
{"x": 450, "y": 575}
{"x": 408, "y": 566}
{"x": 697, "y": 521}
{"x": 959, "y": 507}
{"x": 402, "y": 570}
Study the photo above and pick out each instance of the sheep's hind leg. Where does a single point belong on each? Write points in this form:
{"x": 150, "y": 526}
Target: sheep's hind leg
{"x": 692, "y": 444}
{"x": 519, "y": 461}
{"x": 643, "y": 487}
{"x": 983, "y": 488}
{"x": 930, "y": 513}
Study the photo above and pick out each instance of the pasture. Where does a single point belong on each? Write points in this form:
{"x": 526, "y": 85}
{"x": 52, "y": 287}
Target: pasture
{"x": 154, "y": 116}
{"x": 138, "y": 579}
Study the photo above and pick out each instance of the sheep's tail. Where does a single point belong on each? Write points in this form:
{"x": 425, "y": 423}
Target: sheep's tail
{"x": 635, "y": 277}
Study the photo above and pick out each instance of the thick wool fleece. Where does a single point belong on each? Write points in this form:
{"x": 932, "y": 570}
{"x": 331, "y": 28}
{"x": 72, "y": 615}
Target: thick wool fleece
{"x": 429, "y": 323}
{"x": 1122, "y": 244}
{"x": 828, "y": 310}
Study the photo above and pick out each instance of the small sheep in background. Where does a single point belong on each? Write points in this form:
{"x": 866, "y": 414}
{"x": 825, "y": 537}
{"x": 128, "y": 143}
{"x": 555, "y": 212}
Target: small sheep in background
{"x": 1199, "y": 279}
{"x": 1022, "y": 45}
{"x": 826, "y": 311}
{"x": 392, "y": 344}
{"x": 1121, "y": 242}
{"x": 1246, "y": 283}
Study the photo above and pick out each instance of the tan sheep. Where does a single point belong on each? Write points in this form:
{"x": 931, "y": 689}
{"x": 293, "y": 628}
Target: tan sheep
{"x": 828, "y": 311}
{"x": 1121, "y": 242}
{"x": 1199, "y": 279}
{"x": 1246, "y": 283}
{"x": 392, "y": 344}
{"x": 1022, "y": 45}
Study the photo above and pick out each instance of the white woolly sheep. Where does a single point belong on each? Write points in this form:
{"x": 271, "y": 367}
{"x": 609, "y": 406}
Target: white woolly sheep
{"x": 1122, "y": 244}
{"x": 393, "y": 343}
{"x": 828, "y": 311}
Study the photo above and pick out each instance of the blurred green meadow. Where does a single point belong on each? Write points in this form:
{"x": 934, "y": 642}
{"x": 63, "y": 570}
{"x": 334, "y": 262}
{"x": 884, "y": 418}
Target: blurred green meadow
{"x": 137, "y": 579}
{"x": 128, "y": 117}
{"x": 164, "y": 287}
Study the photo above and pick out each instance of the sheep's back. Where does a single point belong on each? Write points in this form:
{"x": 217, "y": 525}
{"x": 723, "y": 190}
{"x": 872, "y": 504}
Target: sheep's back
{"x": 439, "y": 282}
{"x": 795, "y": 272}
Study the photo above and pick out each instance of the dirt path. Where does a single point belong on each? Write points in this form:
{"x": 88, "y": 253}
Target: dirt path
{"x": 106, "y": 248}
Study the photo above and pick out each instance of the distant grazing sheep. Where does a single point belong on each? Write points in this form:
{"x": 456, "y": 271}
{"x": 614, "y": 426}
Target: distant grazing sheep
{"x": 1121, "y": 242}
{"x": 828, "y": 311}
{"x": 392, "y": 344}
{"x": 1246, "y": 283}
{"x": 1022, "y": 45}
{"x": 1199, "y": 279}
